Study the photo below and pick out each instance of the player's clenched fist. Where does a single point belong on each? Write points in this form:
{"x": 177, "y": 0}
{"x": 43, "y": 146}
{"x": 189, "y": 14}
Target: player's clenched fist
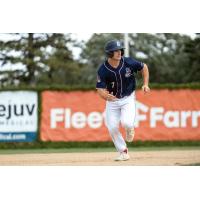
{"x": 145, "y": 88}
{"x": 106, "y": 95}
{"x": 110, "y": 97}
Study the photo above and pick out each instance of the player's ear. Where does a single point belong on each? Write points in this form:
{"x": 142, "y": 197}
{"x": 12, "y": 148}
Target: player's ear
{"x": 110, "y": 54}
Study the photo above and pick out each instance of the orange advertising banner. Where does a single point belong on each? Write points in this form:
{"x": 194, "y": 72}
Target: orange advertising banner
{"x": 160, "y": 115}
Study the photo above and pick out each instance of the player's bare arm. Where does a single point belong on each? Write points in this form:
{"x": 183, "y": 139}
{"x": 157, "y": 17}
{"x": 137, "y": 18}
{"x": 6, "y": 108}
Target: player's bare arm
{"x": 145, "y": 74}
{"x": 104, "y": 94}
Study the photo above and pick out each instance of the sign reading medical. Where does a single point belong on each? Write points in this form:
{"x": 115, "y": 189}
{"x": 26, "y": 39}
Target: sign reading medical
{"x": 18, "y": 116}
{"x": 160, "y": 115}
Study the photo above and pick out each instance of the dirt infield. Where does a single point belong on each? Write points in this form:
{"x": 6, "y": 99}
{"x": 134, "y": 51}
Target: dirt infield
{"x": 138, "y": 158}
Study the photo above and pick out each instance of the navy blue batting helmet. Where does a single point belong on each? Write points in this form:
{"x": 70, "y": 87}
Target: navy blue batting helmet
{"x": 112, "y": 46}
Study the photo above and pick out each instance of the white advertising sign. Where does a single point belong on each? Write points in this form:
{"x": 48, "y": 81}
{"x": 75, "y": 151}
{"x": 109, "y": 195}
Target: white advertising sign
{"x": 18, "y": 112}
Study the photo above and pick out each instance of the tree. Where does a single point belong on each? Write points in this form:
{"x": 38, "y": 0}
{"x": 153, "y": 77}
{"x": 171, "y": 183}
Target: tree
{"x": 192, "y": 49}
{"x": 46, "y": 58}
{"x": 164, "y": 54}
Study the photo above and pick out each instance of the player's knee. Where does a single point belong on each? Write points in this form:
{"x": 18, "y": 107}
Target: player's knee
{"x": 113, "y": 129}
{"x": 128, "y": 124}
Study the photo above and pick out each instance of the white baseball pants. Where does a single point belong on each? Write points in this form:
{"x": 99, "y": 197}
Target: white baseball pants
{"x": 121, "y": 110}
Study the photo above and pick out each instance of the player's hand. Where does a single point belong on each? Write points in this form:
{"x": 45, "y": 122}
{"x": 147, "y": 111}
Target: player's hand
{"x": 110, "y": 97}
{"x": 145, "y": 89}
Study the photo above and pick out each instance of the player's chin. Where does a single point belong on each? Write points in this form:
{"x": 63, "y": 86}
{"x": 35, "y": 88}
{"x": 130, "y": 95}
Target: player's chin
{"x": 118, "y": 58}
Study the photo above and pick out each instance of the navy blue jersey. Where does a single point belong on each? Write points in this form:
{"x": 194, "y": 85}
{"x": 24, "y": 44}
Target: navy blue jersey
{"x": 119, "y": 81}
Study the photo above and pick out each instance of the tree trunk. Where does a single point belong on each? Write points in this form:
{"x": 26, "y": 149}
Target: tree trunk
{"x": 30, "y": 58}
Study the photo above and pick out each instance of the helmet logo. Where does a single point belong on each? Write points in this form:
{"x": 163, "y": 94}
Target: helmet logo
{"x": 118, "y": 43}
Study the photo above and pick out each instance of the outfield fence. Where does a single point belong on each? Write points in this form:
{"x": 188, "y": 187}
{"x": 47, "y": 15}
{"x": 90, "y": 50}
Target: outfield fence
{"x": 78, "y": 115}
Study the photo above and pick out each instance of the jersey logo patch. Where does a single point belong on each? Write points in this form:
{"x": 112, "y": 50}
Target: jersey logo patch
{"x": 128, "y": 72}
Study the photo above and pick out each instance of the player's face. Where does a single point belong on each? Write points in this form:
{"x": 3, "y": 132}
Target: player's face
{"x": 117, "y": 55}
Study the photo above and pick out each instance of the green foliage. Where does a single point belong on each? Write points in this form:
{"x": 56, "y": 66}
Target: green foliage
{"x": 164, "y": 54}
{"x": 192, "y": 49}
{"x": 89, "y": 87}
{"x": 171, "y": 86}
{"x": 46, "y": 59}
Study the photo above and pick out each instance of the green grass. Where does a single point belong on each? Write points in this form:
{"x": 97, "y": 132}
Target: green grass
{"x": 193, "y": 164}
{"x": 95, "y": 145}
{"x": 91, "y": 150}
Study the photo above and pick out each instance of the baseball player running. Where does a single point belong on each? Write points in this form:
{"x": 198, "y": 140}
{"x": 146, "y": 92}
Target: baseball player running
{"x": 116, "y": 84}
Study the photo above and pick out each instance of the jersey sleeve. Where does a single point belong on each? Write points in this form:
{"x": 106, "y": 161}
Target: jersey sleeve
{"x": 101, "y": 83}
{"x": 135, "y": 64}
